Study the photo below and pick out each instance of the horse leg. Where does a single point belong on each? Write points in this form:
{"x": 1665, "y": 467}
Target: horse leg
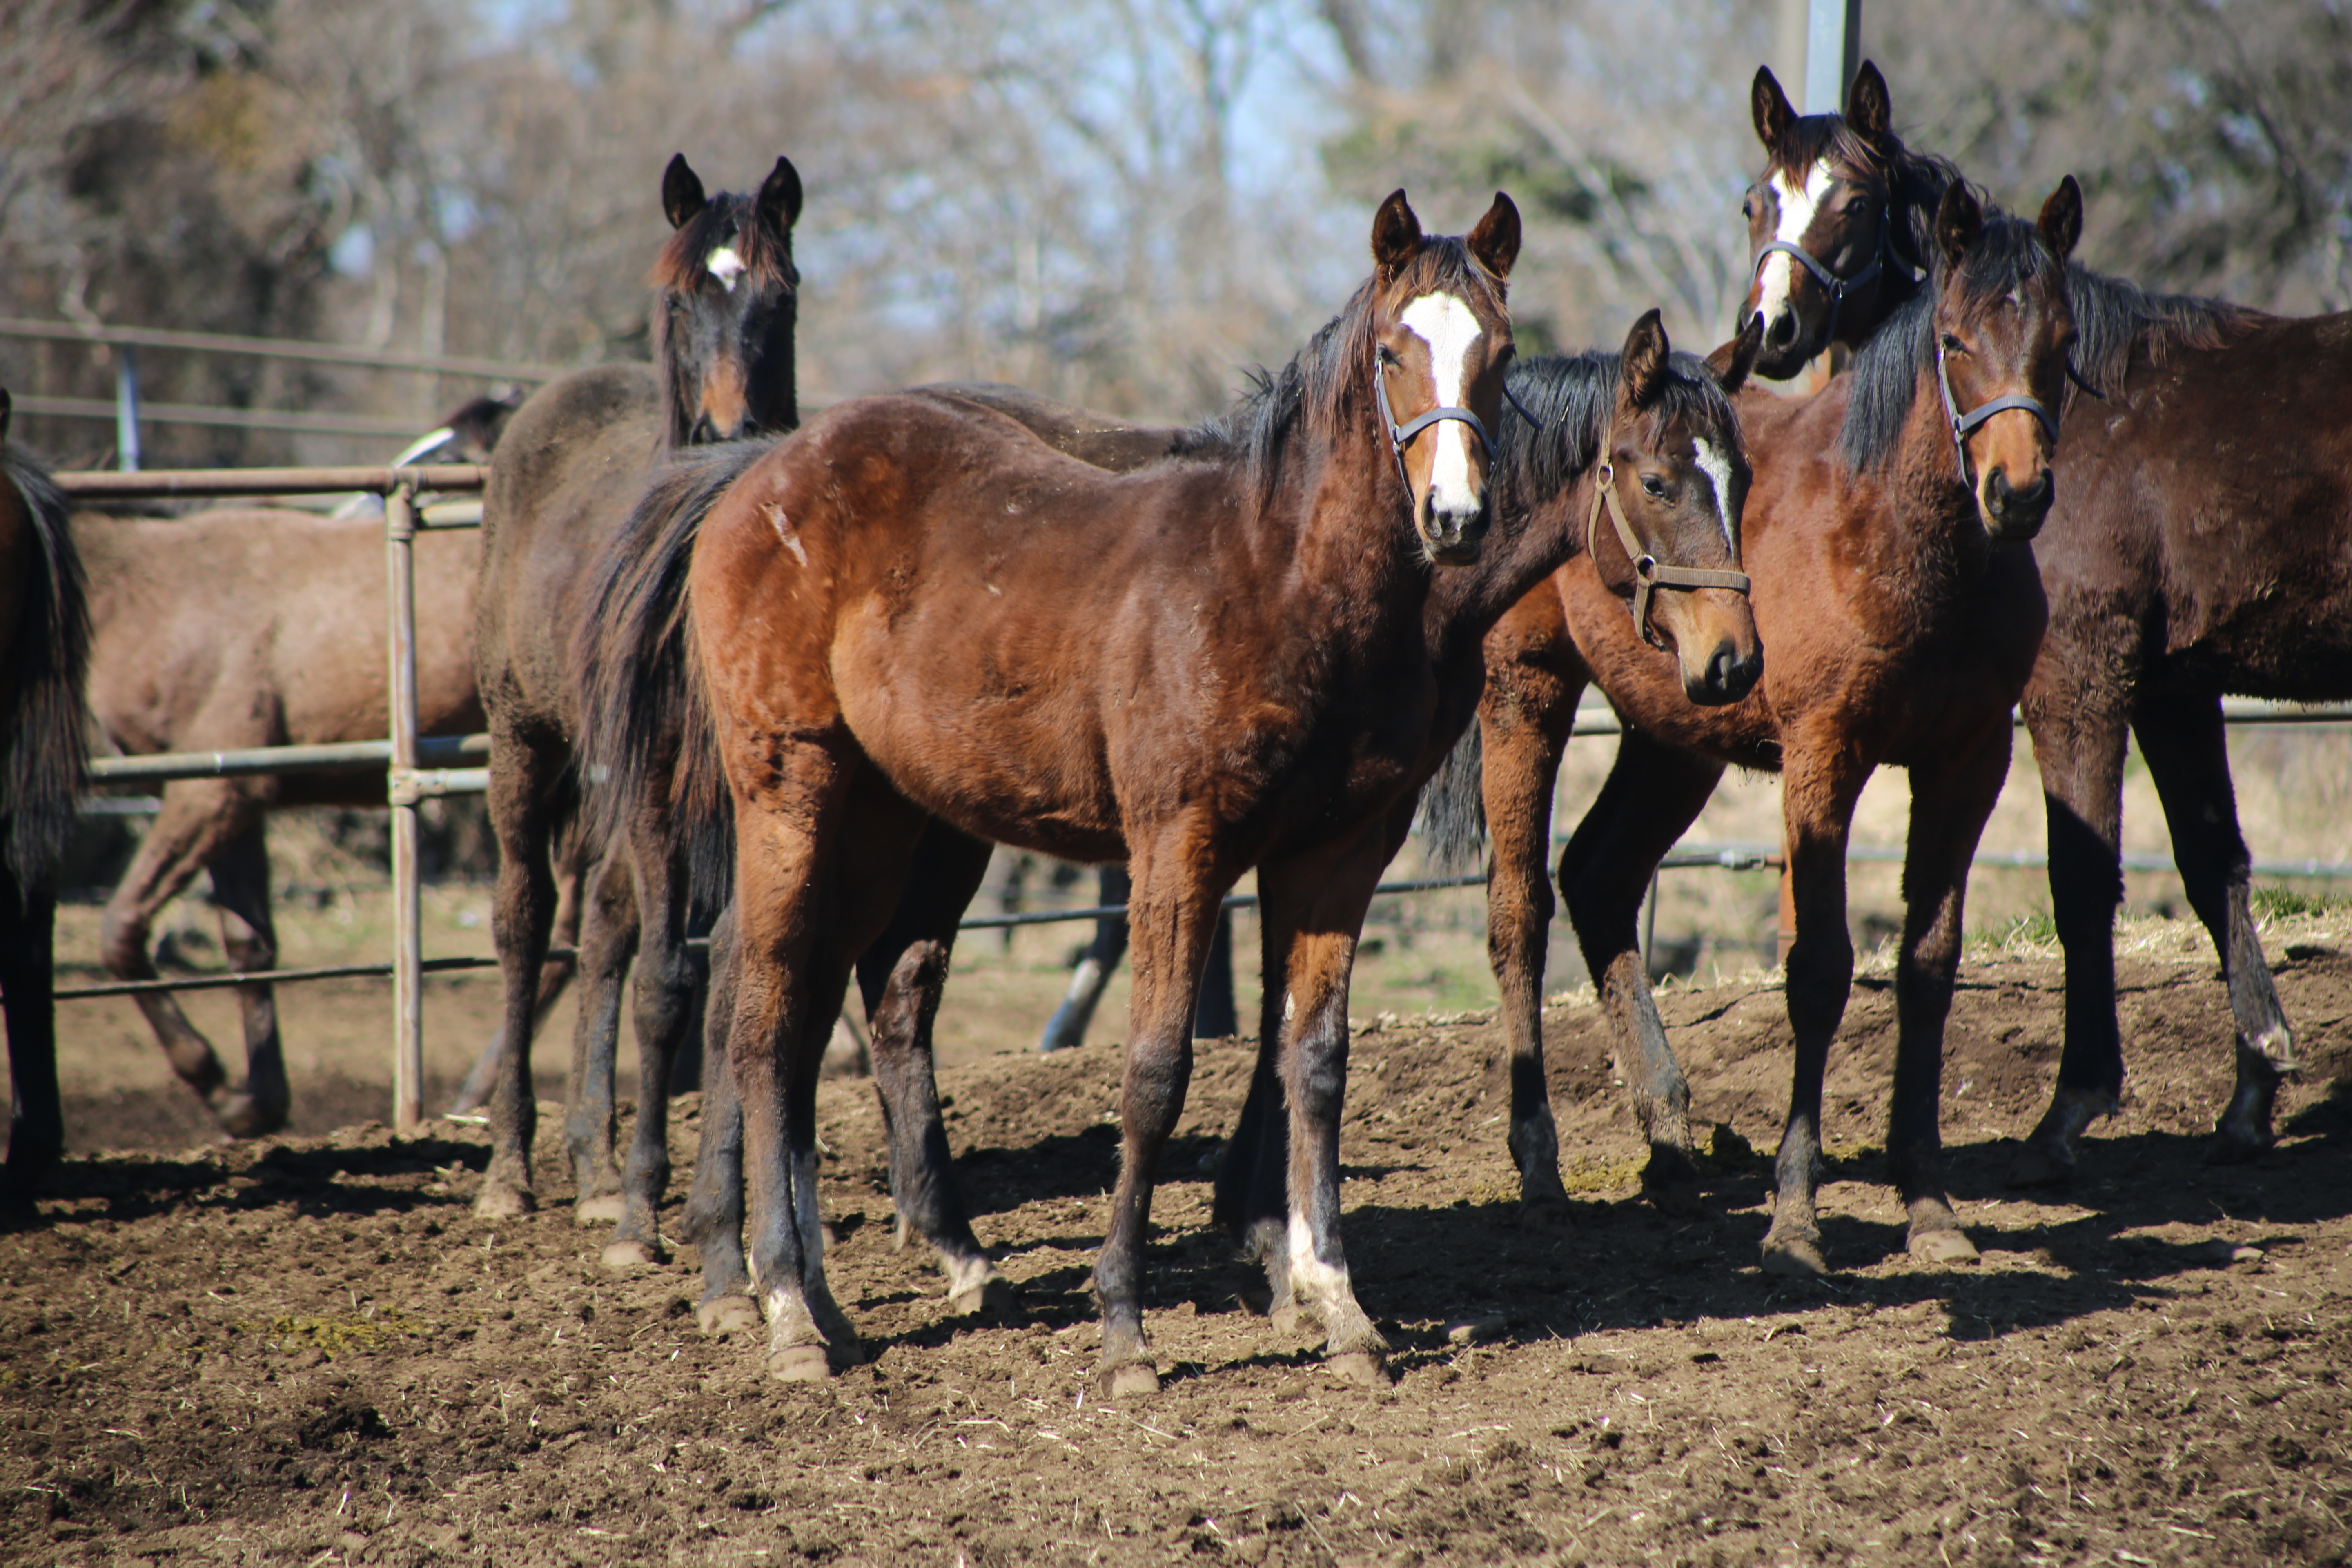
{"x": 554, "y": 976}
{"x": 665, "y": 988}
{"x": 1949, "y": 803}
{"x": 37, "y": 1131}
{"x": 1067, "y": 1028}
{"x": 713, "y": 1220}
{"x": 1819, "y": 788}
{"x": 2079, "y": 743}
{"x": 524, "y": 784}
{"x": 199, "y": 817}
{"x": 2188, "y": 755}
{"x": 608, "y": 940}
{"x": 1251, "y": 1194}
{"x": 902, "y": 976}
{"x": 1177, "y": 887}
{"x": 1533, "y": 681}
{"x": 1653, "y": 794}
{"x": 240, "y": 875}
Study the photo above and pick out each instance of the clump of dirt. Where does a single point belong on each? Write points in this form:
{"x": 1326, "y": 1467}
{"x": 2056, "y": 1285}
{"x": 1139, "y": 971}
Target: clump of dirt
{"x": 313, "y": 1351}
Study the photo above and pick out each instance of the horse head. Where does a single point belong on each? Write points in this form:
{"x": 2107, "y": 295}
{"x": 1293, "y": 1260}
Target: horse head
{"x": 1441, "y": 339}
{"x": 1822, "y": 220}
{"x": 1673, "y": 476}
{"x": 2003, "y": 327}
{"x": 728, "y": 303}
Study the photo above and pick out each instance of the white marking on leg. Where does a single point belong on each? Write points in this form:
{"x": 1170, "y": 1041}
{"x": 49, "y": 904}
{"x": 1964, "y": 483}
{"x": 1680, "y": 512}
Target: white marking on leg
{"x": 1451, "y": 329}
{"x": 726, "y": 265}
{"x": 1311, "y": 1278}
{"x": 1717, "y": 468}
{"x": 786, "y": 531}
{"x": 1798, "y": 205}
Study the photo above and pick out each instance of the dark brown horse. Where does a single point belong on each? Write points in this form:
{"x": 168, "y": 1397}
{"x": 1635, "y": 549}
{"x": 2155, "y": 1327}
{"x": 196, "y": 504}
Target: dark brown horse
{"x": 569, "y": 469}
{"x": 916, "y": 610}
{"x": 2197, "y": 547}
{"x": 44, "y": 657}
{"x": 1902, "y": 613}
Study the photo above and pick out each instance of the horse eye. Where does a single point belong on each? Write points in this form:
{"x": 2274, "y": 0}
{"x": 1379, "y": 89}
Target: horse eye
{"x": 1653, "y": 486}
{"x": 1747, "y": 209}
{"x": 1388, "y": 356}
{"x": 1953, "y": 345}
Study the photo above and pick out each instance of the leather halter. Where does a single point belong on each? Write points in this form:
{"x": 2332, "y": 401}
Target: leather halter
{"x": 1648, "y": 576}
{"x": 1837, "y": 288}
{"x": 1401, "y": 434}
{"x": 1964, "y": 423}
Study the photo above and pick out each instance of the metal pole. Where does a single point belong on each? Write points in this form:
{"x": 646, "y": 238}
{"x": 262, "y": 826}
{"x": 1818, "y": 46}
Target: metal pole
{"x": 1832, "y": 53}
{"x": 126, "y": 408}
{"x": 1650, "y": 922}
{"x": 401, "y": 786}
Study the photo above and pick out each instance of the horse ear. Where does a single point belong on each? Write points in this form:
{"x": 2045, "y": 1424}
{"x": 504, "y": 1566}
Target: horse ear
{"x": 2061, "y": 219}
{"x": 682, "y": 196}
{"x": 1771, "y": 109}
{"x": 1396, "y": 235}
{"x": 1959, "y": 221}
{"x": 1646, "y": 359}
{"x": 1496, "y": 241}
{"x": 1734, "y": 359}
{"x": 1869, "y": 112}
{"x": 780, "y": 196}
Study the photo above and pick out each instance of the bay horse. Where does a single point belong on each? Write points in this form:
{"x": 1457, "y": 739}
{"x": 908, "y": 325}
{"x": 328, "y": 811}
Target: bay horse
{"x": 570, "y": 467}
{"x": 44, "y": 660}
{"x": 1886, "y": 534}
{"x": 2198, "y": 547}
{"x": 914, "y": 609}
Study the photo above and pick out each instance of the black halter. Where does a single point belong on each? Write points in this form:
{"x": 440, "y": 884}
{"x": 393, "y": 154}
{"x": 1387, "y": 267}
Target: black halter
{"x": 1648, "y": 574}
{"x": 1837, "y": 288}
{"x": 1401, "y": 434}
{"x": 1963, "y": 423}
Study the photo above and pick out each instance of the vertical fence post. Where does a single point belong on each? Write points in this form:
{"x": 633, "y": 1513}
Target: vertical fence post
{"x": 126, "y": 408}
{"x": 1832, "y": 53}
{"x": 408, "y": 931}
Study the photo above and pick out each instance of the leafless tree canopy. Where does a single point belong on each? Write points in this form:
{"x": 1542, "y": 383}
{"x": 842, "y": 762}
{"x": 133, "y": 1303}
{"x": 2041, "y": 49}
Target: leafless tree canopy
{"x": 1115, "y": 201}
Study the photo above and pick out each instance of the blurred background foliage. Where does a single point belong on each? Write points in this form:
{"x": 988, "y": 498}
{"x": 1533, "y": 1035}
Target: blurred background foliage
{"x": 1121, "y": 202}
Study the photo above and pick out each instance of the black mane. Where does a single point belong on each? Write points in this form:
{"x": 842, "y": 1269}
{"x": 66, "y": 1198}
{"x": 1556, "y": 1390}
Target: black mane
{"x": 44, "y": 746}
{"x": 2112, "y": 317}
{"x": 1573, "y": 397}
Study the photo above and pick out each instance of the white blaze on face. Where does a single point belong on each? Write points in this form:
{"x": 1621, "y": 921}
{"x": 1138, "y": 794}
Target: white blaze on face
{"x": 1451, "y": 331}
{"x": 1717, "y": 468}
{"x": 1798, "y": 205}
{"x": 726, "y": 265}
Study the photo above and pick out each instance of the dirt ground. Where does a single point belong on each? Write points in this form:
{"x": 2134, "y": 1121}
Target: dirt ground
{"x": 310, "y": 1351}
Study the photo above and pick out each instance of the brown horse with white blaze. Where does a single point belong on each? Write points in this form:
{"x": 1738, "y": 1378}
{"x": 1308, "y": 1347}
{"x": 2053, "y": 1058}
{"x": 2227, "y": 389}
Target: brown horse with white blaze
{"x": 915, "y": 609}
{"x": 1885, "y": 533}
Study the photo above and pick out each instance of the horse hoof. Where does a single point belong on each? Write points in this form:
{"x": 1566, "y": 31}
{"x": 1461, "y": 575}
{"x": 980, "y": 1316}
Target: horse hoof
{"x": 604, "y": 1208}
{"x": 628, "y": 1257}
{"x": 242, "y": 1116}
{"x": 800, "y": 1364}
{"x": 1677, "y": 1196}
{"x": 1361, "y": 1369}
{"x": 1543, "y": 1203}
{"x": 2039, "y": 1165}
{"x": 1942, "y": 1246}
{"x": 1794, "y": 1258}
{"x": 992, "y": 1300}
{"x": 1291, "y": 1320}
{"x": 1128, "y": 1380}
{"x": 502, "y": 1200}
{"x": 726, "y": 1315}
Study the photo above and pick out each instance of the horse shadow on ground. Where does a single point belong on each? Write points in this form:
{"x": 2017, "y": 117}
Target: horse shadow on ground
{"x": 327, "y": 1181}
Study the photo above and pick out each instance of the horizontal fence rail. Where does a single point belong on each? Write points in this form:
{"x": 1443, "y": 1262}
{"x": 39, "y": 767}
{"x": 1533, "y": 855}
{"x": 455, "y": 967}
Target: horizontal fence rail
{"x": 276, "y": 348}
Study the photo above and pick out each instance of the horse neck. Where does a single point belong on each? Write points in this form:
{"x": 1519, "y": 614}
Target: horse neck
{"x": 1890, "y": 295}
{"x": 1923, "y": 513}
{"x": 1357, "y": 575}
{"x": 1526, "y": 544}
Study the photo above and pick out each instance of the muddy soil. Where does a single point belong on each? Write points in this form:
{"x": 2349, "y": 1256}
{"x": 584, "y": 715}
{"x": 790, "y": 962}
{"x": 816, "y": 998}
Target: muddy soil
{"x": 312, "y": 1352}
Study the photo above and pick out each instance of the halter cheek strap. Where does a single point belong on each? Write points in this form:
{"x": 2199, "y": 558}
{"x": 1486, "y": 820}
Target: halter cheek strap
{"x": 1401, "y": 434}
{"x": 1648, "y": 576}
{"x": 1963, "y": 424}
{"x": 1837, "y": 288}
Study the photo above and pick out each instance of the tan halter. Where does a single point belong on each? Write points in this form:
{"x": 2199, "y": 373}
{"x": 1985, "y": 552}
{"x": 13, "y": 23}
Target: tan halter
{"x": 1648, "y": 576}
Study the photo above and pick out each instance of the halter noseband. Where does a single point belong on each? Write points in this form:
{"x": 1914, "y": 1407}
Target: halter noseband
{"x": 1964, "y": 423}
{"x": 1648, "y": 576}
{"x": 1401, "y": 434}
{"x": 1837, "y": 288}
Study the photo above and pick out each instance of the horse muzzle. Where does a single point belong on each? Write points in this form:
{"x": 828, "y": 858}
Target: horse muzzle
{"x": 2013, "y": 515}
{"x": 1725, "y": 676}
{"x": 1452, "y": 536}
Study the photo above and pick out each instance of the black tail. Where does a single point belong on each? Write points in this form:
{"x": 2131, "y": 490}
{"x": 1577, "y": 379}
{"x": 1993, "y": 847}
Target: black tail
{"x": 43, "y": 741}
{"x": 1454, "y": 808}
{"x": 645, "y": 718}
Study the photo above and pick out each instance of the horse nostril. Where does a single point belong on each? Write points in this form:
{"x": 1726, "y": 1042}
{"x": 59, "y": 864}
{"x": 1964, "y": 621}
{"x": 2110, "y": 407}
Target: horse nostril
{"x": 1782, "y": 331}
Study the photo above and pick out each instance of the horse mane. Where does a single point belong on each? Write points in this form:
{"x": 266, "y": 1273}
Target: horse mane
{"x": 2114, "y": 317}
{"x": 641, "y": 711}
{"x": 1573, "y": 397}
{"x": 726, "y": 219}
{"x": 1916, "y": 181}
{"x": 44, "y": 738}
{"x": 1326, "y": 384}
{"x": 1883, "y": 377}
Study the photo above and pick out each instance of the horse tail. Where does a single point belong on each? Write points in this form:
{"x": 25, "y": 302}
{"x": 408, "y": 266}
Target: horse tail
{"x": 646, "y": 730}
{"x": 44, "y": 735}
{"x": 1453, "y": 807}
